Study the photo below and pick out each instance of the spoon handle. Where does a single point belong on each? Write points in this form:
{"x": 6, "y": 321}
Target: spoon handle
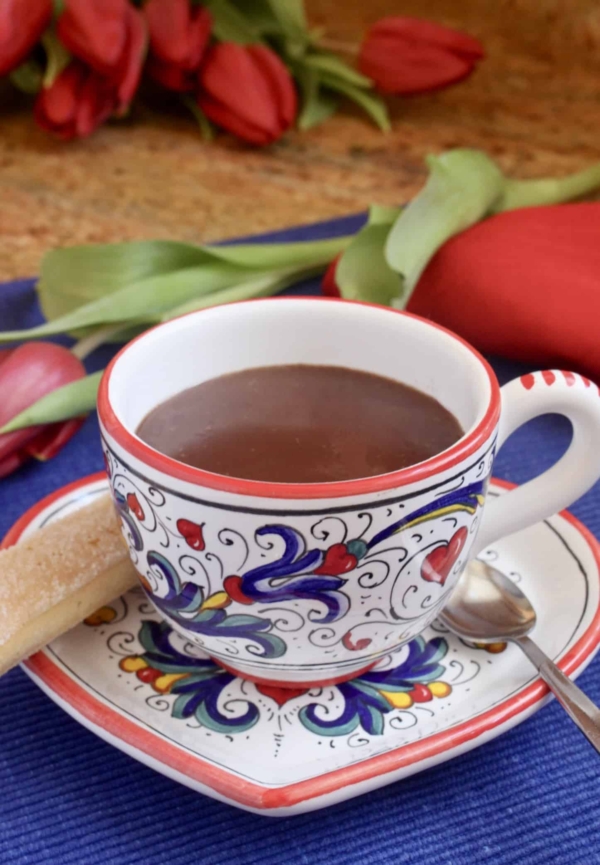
{"x": 579, "y": 707}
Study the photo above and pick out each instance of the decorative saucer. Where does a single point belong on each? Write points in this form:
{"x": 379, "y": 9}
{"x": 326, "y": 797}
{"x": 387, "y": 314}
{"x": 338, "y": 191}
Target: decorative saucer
{"x": 271, "y": 750}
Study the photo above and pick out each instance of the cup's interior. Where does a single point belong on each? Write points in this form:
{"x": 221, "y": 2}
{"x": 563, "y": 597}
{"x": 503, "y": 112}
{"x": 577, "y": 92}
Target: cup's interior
{"x": 225, "y": 339}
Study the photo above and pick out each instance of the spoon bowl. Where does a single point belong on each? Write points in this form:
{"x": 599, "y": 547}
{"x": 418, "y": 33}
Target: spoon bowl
{"x": 486, "y": 606}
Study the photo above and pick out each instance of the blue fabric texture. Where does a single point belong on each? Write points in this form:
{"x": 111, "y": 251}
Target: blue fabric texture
{"x": 531, "y": 796}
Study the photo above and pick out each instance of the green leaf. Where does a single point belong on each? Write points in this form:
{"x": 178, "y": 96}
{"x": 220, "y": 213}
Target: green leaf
{"x": 71, "y": 400}
{"x": 333, "y": 65}
{"x": 75, "y": 275}
{"x": 373, "y": 105}
{"x": 548, "y": 190}
{"x": 381, "y": 214}
{"x": 317, "y": 109}
{"x": 462, "y": 188}
{"x": 28, "y": 77}
{"x": 292, "y": 20}
{"x": 230, "y": 24}
{"x": 57, "y": 57}
{"x": 262, "y": 285}
{"x": 85, "y": 270}
{"x": 144, "y": 301}
{"x": 291, "y": 14}
{"x": 260, "y": 15}
{"x": 264, "y": 256}
{"x": 363, "y": 273}
{"x": 204, "y": 124}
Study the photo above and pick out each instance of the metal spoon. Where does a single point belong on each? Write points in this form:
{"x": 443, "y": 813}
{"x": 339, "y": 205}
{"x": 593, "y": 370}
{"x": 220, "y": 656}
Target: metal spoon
{"x": 488, "y": 607}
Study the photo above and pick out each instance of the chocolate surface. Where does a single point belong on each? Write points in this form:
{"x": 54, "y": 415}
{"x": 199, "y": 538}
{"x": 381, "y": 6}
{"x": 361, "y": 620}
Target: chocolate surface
{"x": 300, "y": 424}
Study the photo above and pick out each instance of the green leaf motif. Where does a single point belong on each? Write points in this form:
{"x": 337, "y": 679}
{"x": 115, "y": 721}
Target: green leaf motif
{"x": 71, "y": 400}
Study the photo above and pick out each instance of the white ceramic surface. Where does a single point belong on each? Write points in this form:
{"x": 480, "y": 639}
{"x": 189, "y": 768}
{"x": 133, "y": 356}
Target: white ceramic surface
{"x": 278, "y": 751}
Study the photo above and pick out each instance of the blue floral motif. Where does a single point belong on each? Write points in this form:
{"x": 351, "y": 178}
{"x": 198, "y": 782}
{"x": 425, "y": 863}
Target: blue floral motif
{"x": 466, "y": 499}
{"x": 184, "y": 604}
{"x": 198, "y": 684}
{"x": 124, "y": 512}
{"x": 201, "y": 683}
{"x": 365, "y": 703}
{"x": 292, "y": 576}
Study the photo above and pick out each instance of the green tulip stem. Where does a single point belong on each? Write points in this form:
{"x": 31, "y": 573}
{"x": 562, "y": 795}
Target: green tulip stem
{"x": 548, "y": 190}
{"x": 90, "y": 343}
{"x": 71, "y": 400}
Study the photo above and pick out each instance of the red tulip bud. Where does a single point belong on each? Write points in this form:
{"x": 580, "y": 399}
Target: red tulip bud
{"x": 110, "y": 36}
{"x": 247, "y": 90}
{"x": 26, "y": 374}
{"x": 179, "y": 34}
{"x": 77, "y": 102}
{"x": 22, "y": 22}
{"x": 329, "y": 286}
{"x": 522, "y": 284}
{"x": 408, "y": 55}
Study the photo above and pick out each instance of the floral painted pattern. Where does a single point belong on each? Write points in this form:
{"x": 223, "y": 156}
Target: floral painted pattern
{"x": 199, "y": 683}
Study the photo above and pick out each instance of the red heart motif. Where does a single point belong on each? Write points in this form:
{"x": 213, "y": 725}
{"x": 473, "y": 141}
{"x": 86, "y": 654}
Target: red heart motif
{"x": 279, "y": 694}
{"x": 357, "y": 646}
{"x": 337, "y": 561}
{"x": 192, "y": 533}
{"x": 421, "y": 693}
{"x": 134, "y": 505}
{"x": 233, "y": 587}
{"x": 440, "y": 561}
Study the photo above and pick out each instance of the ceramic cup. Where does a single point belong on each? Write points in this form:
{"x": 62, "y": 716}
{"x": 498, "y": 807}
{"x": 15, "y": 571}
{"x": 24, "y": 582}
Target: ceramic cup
{"x": 314, "y": 583}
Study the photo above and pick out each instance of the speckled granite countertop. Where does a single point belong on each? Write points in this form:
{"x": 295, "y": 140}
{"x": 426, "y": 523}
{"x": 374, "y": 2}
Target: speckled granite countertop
{"x": 534, "y": 104}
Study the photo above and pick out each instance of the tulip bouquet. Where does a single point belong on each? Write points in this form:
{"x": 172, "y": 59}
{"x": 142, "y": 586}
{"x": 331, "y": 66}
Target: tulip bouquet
{"x": 251, "y": 67}
{"x": 522, "y": 276}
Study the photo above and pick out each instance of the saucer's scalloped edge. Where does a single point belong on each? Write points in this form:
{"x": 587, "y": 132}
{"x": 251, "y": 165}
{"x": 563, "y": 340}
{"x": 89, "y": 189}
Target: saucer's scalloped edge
{"x": 312, "y": 793}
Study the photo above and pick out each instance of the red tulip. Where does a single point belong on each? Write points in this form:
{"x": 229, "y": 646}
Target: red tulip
{"x": 77, "y": 102}
{"x": 26, "y": 374}
{"x": 110, "y": 36}
{"x": 22, "y": 22}
{"x": 523, "y": 284}
{"x": 179, "y": 34}
{"x": 329, "y": 286}
{"x": 248, "y": 91}
{"x": 408, "y": 55}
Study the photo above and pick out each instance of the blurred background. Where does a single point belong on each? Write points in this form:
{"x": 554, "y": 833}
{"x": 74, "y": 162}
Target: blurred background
{"x": 533, "y": 104}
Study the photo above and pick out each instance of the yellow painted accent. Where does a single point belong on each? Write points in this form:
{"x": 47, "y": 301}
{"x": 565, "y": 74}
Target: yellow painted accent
{"x": 216, "y": 601}
{"x": 480, "y": 499}
{"x": 442, "y": 512}
{"x": 101, "y": 617}
{"x": 440, "y": 689}
{"x": 398, "y": 699}
{"x": 165, "y": 682}
{"x": 132, "y": 664}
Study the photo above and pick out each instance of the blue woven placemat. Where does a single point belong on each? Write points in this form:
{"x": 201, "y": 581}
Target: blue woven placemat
{"x": 531, "y": 796}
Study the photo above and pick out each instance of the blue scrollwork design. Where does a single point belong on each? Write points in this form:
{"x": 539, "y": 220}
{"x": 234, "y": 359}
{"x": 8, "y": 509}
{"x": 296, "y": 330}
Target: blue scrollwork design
{"x": 201, "y": 684}
{"x": 184, "y": 604}
{"x": 365, "y": 700}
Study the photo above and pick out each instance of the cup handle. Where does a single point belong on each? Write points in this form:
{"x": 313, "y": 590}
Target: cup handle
{"x": 537, "y": 393}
